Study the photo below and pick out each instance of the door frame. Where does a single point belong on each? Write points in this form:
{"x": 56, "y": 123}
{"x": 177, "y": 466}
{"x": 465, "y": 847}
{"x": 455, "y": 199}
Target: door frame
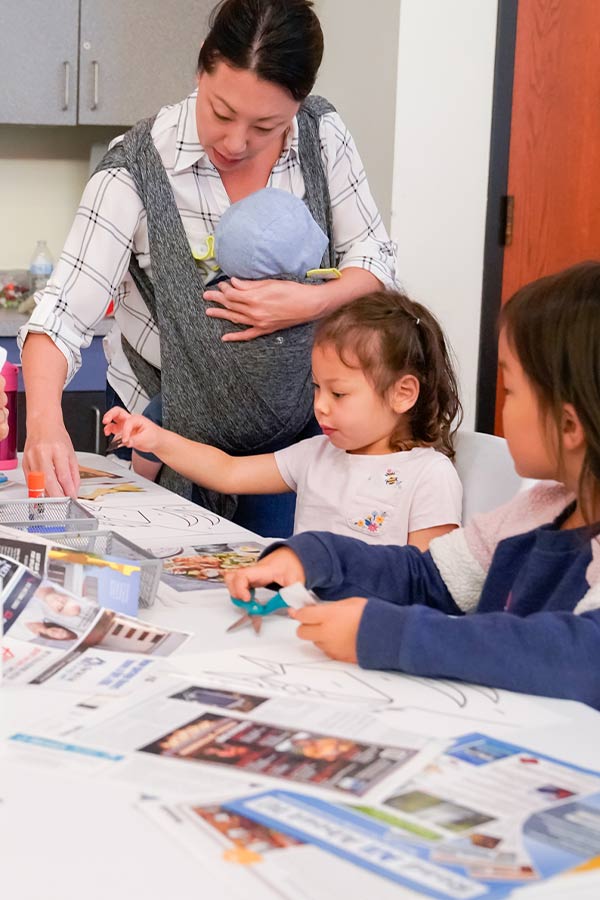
{"x": 493, "y": 256}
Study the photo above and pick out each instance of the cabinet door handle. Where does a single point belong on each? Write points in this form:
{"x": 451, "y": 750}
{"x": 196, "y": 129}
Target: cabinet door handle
{"x": 97, "y": 419}
{"x": 66, "y": 70}
{"x": 95, "y": 78}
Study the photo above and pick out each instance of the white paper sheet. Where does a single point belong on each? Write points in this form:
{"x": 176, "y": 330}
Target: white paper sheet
{"x": 429, "y": 706}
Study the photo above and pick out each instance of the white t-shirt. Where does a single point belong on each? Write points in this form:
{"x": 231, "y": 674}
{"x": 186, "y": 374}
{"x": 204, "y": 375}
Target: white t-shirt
{"x": 377, "y": 498}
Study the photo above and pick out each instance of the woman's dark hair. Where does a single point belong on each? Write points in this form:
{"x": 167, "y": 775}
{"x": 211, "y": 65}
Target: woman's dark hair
{"x": 553, "y": 327}
{"x": 279, "y": 40}
{"x": 392, "y": 336}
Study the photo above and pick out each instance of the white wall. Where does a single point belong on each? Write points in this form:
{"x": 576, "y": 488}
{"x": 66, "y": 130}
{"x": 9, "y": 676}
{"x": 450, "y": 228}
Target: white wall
{"x": 443, "y": 120}
{"x": 358, "y": 75}
{"x": 42, "y": 174}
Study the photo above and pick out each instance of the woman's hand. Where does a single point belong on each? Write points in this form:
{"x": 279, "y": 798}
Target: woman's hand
{"x": 4, "y": 426}
{"x": 48, "y": 449}
{"x": 281, "y": 567}
{"x": 265, "y": 306}
{"x": 133, "y": 431}
{"x": 333, "y": 627}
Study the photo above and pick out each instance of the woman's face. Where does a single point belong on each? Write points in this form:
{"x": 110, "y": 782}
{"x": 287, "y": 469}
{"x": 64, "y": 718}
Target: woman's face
{"x": 239, "y": 116}
{"x": 62, "y": 604}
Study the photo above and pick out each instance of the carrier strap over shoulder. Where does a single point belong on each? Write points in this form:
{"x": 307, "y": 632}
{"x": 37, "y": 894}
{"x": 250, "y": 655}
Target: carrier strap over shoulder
{"x": 242, "y": 397}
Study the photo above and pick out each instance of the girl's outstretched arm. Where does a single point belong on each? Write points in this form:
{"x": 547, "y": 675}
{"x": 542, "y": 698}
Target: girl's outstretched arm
{"x": 201, "y": 463}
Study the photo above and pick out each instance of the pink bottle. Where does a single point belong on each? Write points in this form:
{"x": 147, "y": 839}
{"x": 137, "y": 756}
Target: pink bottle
{"x": 8, "y": 447}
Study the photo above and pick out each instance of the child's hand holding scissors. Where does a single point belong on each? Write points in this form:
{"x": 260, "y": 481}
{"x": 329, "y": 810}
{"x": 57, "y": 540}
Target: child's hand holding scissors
{"x": 282, "y": 567}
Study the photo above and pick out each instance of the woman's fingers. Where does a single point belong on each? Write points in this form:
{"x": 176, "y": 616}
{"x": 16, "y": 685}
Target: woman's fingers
{"x": 247, "y": 335}
{"x": 238, "y": 318}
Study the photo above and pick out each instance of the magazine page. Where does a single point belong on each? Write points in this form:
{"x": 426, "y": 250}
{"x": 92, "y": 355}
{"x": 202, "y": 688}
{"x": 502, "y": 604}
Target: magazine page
{"x": 201, "y": 567}
{"x": 46, "y": 627}
{"x": 260, "y": 861}
{"x": 108, "y": 581}
{"x": 28, "y": 552}
{"x": 187, "y": 726}
{"x": 484, "y": 818}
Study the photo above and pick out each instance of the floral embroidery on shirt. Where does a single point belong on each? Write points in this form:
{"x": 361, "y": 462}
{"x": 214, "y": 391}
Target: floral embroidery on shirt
{"x": 371, "y": 523}
{"x": 391, "y": 478}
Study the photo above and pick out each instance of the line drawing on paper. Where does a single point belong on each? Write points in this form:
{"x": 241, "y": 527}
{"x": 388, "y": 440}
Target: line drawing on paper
{"x": 380, "y": 692}
{"x": 173, "y": 518}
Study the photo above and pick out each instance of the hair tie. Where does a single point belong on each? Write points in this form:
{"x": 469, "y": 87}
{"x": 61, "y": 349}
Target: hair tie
{"x": 417, "y": 320}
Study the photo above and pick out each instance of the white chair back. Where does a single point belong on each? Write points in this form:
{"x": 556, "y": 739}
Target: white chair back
{"x": 487, "y": 472}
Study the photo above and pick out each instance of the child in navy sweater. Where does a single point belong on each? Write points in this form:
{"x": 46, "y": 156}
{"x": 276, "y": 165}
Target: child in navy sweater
{"x": 513, "y": 599}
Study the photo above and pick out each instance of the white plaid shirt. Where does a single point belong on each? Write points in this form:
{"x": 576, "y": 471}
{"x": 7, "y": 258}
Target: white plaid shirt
{"x": 110, "y": 224}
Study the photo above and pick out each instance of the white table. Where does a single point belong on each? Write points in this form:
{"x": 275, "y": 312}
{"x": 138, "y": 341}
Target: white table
{"x": 66, "y": 839}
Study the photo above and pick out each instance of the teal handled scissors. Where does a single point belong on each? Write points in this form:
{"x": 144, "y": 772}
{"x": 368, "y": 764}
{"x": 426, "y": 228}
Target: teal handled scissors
{"x": 294, "y": 595}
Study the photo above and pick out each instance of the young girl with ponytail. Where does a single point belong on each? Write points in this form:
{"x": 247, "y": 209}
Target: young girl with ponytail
{"x": 387, "y": 403}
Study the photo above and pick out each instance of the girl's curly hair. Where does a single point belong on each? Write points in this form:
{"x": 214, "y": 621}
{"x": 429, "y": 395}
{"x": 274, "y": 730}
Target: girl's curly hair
{"x": 391, "y": 336}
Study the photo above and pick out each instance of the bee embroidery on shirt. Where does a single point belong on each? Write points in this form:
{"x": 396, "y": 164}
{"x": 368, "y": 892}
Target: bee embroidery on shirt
{"x": 391, "y": 478}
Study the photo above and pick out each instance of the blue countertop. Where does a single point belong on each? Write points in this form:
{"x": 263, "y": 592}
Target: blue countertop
{"x": 92, "y": 374}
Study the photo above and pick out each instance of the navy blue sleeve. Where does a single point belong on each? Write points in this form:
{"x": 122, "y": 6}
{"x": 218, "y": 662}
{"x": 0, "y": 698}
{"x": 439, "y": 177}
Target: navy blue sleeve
{"x": 553, "y": 654}
{"x": 337, "y": 567}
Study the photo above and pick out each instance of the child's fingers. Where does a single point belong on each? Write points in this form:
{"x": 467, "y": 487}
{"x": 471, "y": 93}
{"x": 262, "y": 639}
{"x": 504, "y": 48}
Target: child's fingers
{"x": 131, "y": 429}
{"x": 240, "y": 581}
{"x": 309, "y": 615}
{"x": 114, "y": 415}
{"x": 310, "y": 632}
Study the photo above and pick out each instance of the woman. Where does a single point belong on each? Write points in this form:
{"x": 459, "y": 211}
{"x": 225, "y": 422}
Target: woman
{"x": 236, "y": 374}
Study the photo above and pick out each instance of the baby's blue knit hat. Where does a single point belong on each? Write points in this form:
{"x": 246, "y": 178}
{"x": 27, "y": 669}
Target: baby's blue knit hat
{"x": 268, "y": 233}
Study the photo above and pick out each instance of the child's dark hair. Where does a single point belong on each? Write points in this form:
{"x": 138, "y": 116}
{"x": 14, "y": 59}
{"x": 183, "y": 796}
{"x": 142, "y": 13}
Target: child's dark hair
{"x": 392, "y": 336}
{"x": 553, "y": 327}
{"x": 279, "y": 40}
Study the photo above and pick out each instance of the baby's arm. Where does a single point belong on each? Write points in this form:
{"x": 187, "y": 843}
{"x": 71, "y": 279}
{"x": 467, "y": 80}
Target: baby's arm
{"x": 201, "y": 463}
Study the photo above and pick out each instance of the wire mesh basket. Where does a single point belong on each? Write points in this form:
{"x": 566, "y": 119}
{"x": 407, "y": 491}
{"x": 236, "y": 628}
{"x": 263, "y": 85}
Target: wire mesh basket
{"x": 47, "y": 515}
{"x": 108, "y": 543}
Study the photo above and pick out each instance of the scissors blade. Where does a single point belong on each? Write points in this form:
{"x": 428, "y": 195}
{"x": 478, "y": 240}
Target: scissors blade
{"x": 115, "y": 443}
{"x": 239, "y": 623}
{"x": 256, "y": 623}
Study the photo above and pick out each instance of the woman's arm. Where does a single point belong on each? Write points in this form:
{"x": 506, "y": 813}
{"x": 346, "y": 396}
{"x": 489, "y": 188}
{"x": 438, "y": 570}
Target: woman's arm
{"x": 270, "y": 305}
{"x": 48, "y": 447}
{"x": 200, "y": 463}
{"x": 93, "y": 263}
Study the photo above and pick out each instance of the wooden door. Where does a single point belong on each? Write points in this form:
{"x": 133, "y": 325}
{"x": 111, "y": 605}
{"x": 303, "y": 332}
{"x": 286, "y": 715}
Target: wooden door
{"x": 554, "y": 157}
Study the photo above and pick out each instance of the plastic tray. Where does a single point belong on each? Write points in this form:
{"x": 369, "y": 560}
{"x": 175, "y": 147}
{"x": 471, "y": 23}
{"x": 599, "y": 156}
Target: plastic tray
{"x": 108, "y": 543}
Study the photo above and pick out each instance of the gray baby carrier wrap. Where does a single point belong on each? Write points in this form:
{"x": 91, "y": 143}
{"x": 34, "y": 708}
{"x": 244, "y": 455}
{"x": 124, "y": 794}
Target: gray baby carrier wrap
{"x": 243, "y": 397}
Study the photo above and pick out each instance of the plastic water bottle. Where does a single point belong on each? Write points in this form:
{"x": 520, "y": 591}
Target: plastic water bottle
{"x": 41, "y": 266}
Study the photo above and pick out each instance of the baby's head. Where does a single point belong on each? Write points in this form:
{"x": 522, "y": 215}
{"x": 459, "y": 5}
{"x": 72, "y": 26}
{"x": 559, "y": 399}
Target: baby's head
{"x": 550, "y": 359}
{"x": 391, "y": 354}
{"x": 268, "y": 233}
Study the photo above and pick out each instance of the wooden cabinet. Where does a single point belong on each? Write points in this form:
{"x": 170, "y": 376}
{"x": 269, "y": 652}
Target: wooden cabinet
{"x": 97, "y": 63}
